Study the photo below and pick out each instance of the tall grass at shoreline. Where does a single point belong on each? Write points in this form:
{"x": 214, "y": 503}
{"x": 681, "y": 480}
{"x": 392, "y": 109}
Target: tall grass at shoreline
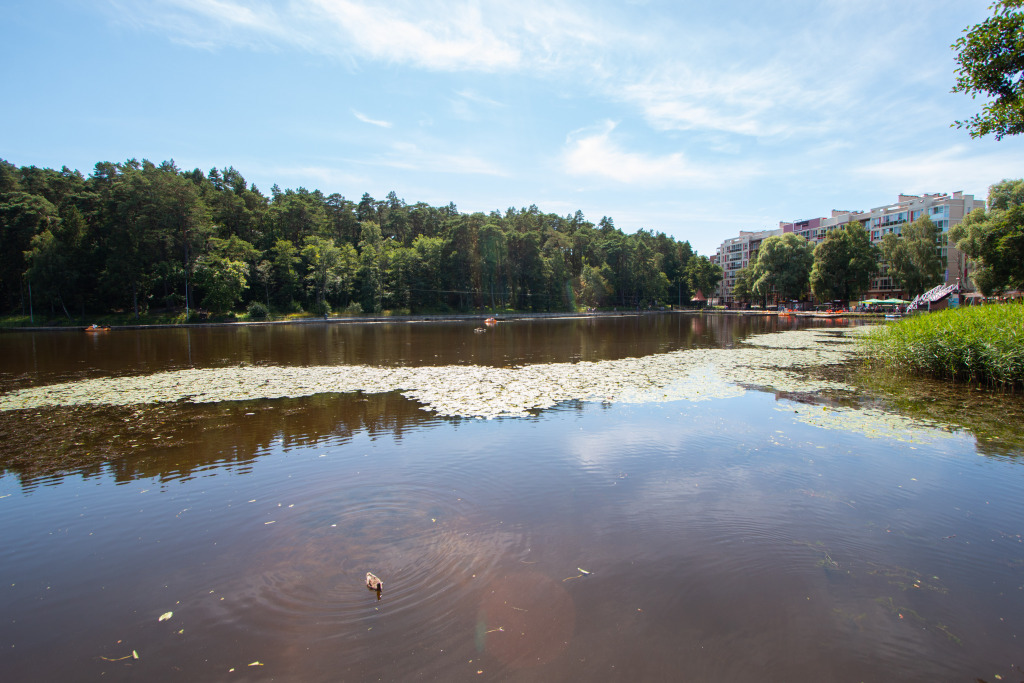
{"x": 983, "y": 344}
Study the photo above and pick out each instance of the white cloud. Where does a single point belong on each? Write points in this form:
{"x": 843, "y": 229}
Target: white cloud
{"x": 373, "y": 122}
{"x": 440, "y": 35}
{"x": 414, "y": 157}
{"x": 210, "y": 24}
{"x": 457, "y": 38}
{"x": 745, "y": 103}
{"x": 593, "y": 152}
{"x": 947, "y": 170}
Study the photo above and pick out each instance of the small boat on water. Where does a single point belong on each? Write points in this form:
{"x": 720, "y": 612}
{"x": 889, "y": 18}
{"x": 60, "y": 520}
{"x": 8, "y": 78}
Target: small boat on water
{"x": 97, "y": 328}
{"x": 491, "y": 321}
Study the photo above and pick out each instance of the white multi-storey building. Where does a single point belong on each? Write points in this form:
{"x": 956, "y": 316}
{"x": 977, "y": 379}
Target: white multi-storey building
{"x": 944, "y": 210}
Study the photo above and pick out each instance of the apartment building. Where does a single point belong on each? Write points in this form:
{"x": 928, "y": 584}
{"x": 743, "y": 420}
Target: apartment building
{"x": 945, "y": 211}
{"x": 735, "y": 254}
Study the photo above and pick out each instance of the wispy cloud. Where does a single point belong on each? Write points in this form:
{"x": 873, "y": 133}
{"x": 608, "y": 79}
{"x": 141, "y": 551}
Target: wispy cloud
{"x": 412, "y": 156}
{"x": 593, "y": 152}
{"x": 457, "y": 39}
{"x": 441, "y": 35}
{"x": 211, "y": 24}
{"x": 679, "y": 73}
{"x": 955, "y": 168}
{"x": 477, "y": 98}
{"x": 467, "y": 104}
{"x": 373, "y": 122}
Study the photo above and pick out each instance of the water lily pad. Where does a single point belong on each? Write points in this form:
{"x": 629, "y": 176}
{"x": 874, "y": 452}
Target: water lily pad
{"x": 772, "y": 361}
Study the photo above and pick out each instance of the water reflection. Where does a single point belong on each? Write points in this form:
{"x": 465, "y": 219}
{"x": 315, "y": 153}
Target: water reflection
{"x": 179, "y": 440}
{"x": 714, "y": 549}
{"x": 722, "y": 540}
{"x": 993, "y": 417}
{"x": 31, "y": 358}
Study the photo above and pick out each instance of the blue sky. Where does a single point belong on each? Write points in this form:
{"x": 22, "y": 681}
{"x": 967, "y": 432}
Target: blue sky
{"x": 696, "y": 119}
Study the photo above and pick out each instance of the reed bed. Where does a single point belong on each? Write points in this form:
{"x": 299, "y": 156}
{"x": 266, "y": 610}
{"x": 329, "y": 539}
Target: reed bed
{"x": 982, "y": 345}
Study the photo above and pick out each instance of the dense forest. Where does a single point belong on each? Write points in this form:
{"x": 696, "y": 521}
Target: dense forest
{"x": 136, "y": 237}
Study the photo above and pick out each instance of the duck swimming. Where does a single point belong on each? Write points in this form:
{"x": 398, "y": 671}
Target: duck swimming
{"x": 373, "y": 583}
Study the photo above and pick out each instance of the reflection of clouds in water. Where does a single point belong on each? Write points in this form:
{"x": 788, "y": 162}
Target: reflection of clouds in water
{"x": 737, "y": 503}
{"x": 605, "y": 449}
{"x": 677, "y": 429}
{"x": 475, "y": 391}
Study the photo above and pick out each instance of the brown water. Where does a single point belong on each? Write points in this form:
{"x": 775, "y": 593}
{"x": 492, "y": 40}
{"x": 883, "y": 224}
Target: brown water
{"x": 722, "y": 540}
{"x": 43, "y": 358}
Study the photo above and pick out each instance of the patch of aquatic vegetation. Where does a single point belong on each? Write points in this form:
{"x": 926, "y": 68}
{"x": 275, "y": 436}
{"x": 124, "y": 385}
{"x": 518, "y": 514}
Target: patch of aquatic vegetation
{"x": 976, "y": 344}
{"x": 907, "y": 579}
{"x": 907, "y": 614}
{"x": 778, "y": 362}
{"x": 991, "y": 416}
{"x": 871, "y": 422}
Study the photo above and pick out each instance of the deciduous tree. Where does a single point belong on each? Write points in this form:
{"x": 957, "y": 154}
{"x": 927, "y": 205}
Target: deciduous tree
{"x": 913, "y": 256}
{"x": 223, "y": 272}
{"x": 328, "y": 266}
{"x": 703, "y": 276}
{"x": 783, "y": 266}
{"x": 843, "y": 264}
{"x": 994, "y": 239}
{"x": 741, "y": 288}
{"x": 990, "y": 59}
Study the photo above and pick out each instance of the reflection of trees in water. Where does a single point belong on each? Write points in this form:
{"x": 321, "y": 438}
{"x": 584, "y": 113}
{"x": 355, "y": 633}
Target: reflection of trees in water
{"x": 174, "y": 441}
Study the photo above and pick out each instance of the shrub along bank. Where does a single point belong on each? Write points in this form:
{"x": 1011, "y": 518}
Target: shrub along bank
{"x": 983, "y": 344}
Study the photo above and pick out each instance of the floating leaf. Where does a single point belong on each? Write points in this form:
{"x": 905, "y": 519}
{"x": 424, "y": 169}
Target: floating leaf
{"x": 165, "y": 616}
{"x": 769, "y": 360}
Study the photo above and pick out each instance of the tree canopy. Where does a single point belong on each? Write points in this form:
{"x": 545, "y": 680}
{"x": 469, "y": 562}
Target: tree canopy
{"x": 994, "y": 239}
{"x": 136, "y": 236}
{"x": 912, "y": 260}
{"x": 742, "y": 289}
{"x": 702, "y": 275}
{"x": 843, "y": 264}
{"x": 990, "y": 62}
{"x": 782, "y": 267}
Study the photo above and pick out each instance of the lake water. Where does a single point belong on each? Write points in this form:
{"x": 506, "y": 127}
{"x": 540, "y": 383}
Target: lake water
{"x": 743, "y": 537}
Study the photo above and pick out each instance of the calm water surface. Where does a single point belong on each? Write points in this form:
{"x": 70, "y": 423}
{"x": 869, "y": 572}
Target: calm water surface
{"x": 719, "y": 540}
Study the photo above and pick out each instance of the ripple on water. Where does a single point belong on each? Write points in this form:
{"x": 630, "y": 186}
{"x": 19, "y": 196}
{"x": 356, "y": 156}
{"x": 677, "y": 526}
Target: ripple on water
{"x": 417, "y": 534}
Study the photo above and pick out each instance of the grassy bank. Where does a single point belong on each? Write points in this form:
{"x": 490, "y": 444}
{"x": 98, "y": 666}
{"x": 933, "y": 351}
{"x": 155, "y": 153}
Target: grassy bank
{"x": 983, "y": 345}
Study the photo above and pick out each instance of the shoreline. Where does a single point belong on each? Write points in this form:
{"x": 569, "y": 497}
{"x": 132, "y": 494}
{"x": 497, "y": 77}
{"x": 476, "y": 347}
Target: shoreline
{"x": 441, "y": 317}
